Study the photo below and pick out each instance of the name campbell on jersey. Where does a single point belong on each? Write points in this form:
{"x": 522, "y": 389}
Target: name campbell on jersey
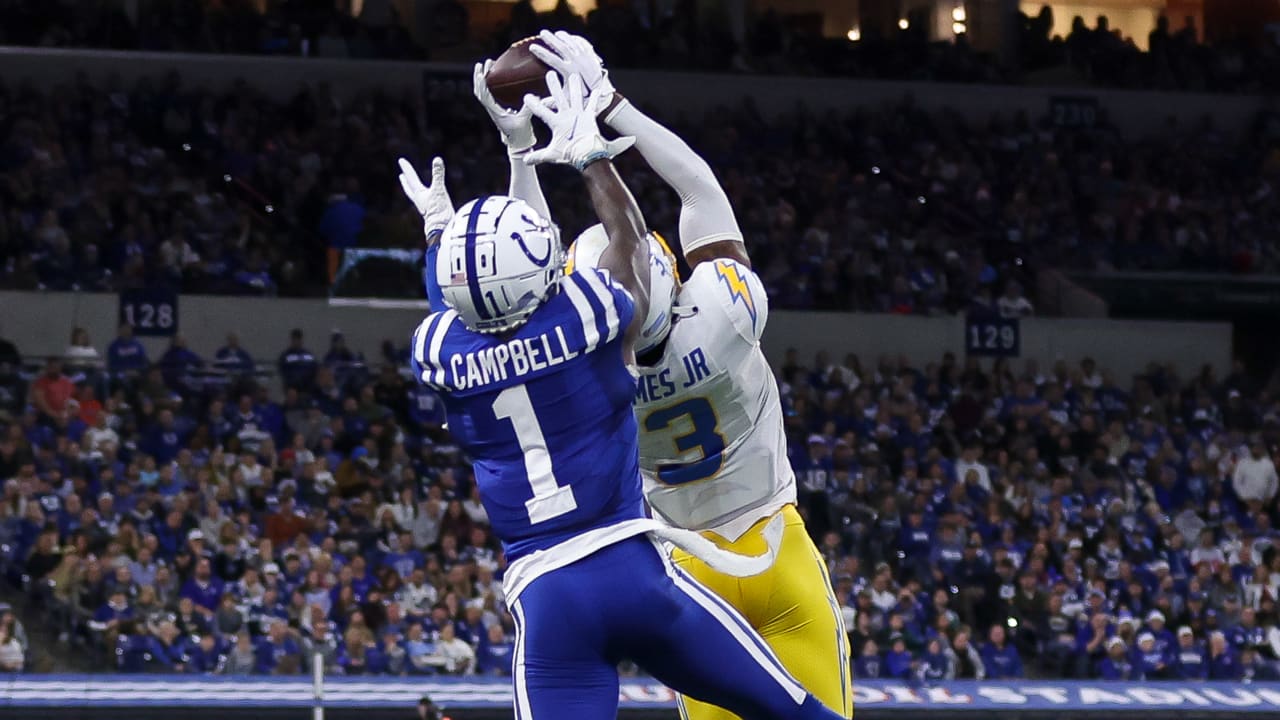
{"x": 516, "y": 403}
{"x": 712, "y": 441}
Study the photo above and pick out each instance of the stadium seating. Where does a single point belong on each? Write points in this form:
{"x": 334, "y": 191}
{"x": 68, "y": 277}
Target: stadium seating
{"x": 666, "y": 35}
{"x": 898, "y": 210}
{"x": 978, "y": 521}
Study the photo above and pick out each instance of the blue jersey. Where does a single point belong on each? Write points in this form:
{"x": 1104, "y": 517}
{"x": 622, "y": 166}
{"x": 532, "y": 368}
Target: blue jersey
{"x": 545, "y": 412}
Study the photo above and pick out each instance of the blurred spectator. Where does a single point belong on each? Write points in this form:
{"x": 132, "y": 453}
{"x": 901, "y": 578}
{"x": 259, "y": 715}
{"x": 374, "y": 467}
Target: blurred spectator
{"x": 495, "y": 656}
{"x": 126, "y": 357}
{"x": 297, "y": 364}
{"x": 1013, "y": 304}
{"x": 1223, "y": 663}
{"x": 1192, "y": 662}
{"x": 456, "y": 656}
{"x": 1254, "y": 479}
{"x": 233, "y": 358}
{"x": 177, "y": 363}
{"x": 278, "y": 654}
{"x": 1000, "y": 659}
{"x": 242, "y": 659}
{"x": 12, "y": 654}
{"x": 205, "y": 657}
{"x": 80, "y": 355}
{"x": 1116, "y": 666}
{"x": 51, "y": 392}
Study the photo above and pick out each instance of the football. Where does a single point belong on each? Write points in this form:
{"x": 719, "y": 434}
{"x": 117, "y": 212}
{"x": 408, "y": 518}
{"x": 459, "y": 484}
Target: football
{"x": 517, "y": 73}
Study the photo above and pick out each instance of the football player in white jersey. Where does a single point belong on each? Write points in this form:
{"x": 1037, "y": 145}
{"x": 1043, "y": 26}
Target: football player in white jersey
{"x": 712, "y": 444}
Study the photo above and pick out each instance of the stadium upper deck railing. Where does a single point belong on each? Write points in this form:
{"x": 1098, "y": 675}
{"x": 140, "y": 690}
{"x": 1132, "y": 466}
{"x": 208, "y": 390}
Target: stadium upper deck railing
{"x": 263, "y": 324}
{"x": 1137, "y": 112}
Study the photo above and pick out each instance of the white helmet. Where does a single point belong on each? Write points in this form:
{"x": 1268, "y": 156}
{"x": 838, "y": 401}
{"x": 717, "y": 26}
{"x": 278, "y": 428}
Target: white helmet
{"x": 499, "y": 259}
{"x": 663, "y": 281}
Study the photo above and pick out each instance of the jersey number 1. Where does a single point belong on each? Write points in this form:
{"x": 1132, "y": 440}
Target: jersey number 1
{"x": 550, "y": 500}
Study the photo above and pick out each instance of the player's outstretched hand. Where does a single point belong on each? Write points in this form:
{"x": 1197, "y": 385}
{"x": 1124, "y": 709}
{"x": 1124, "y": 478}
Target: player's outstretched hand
{"x": 432, "y": 202}
{"x": 516, "y": 128}
{"x": 571, "y": 115}
{"x": 568, "y": 54}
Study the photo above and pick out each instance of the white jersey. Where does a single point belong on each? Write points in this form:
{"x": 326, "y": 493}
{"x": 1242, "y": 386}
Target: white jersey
{"x": 713, "y": 450}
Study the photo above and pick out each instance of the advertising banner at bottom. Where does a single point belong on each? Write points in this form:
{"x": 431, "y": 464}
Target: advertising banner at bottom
{"x": 878, "y": 696}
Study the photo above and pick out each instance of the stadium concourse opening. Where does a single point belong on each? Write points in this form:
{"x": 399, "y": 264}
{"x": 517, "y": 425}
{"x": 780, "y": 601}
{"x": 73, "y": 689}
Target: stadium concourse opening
{"x": 1008, "y": 313}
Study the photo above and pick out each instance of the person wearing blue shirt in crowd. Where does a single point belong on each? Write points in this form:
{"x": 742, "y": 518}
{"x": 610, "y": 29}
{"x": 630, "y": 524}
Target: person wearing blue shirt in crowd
{"x": 164, "y": 439}
{"x": 1000, "y": 657}
{"x": 297, "y": 364}
{"x": 496, "y": 656}
{"x": 385, "y": 659}
{"x": 232, "y": 358}
{"x": 203, "y": 588}
{"x": 168, "y": 649}
{"x": 339, "y": 355}
{"x": 1193, "y": 661}
{"x": 110, "y": 615}
{"x": 125, "y": 354}
{"x": 948, "y": 551}
{"x": 1223, "y": 663}
{"x": 405, "y": 557}
{"x": 1247, "y": 633}
{"x": 277, "y": 653}
{"x": 935, "y": 665}
{"x": 267, "y": 610}
{"x": 204, "y": 657}
{"x": 1254, "y": 668}
{"x": 1148, "y": 661}
{"x": 177, "y": 361}
{"x": 869, "y": 665}
{"x": 898, "y": 660}
{"x": 1166, "y": 643}
{"x": 343, "y": 218}
{"x": 1115, "y": 666}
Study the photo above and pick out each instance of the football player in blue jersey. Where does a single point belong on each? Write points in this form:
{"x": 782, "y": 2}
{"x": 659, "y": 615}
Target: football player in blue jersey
{"x": 534, "y": 369}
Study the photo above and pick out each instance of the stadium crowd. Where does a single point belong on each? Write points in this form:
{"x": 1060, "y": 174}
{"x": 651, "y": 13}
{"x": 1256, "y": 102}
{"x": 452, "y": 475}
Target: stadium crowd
{"x": 894, "y": 210}
{"x": 674, "y": 35}
{"x": 978, "y": 520}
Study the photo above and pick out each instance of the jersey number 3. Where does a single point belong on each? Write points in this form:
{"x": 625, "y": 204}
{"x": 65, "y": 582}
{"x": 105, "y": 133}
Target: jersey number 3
{"x": 704, "y": 436}
{"x": 550, "y": 500}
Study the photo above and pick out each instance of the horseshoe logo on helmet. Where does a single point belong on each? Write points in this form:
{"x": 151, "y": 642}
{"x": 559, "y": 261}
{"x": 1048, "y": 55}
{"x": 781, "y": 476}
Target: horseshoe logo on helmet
{"x": 539, "y": 261}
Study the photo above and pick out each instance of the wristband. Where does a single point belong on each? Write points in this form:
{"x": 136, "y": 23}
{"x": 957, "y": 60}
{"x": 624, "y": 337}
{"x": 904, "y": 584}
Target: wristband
{"x": 601, "y": 154}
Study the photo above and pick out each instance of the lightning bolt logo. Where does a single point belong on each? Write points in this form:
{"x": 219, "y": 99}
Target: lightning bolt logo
{"x": 731, "y": 276}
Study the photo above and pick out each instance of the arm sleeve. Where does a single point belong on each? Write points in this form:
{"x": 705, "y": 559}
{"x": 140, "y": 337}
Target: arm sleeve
{"x": 705, "y": 213}
{"x": 525, "y": 186}
{"x": 434, "y": 296}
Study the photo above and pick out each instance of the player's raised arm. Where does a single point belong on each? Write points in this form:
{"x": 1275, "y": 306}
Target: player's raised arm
{"x": 576, "y": 141}
{"x": 436, "y": 208}
{"x": 516, "y": 131}
{"x": 708, "y": 227}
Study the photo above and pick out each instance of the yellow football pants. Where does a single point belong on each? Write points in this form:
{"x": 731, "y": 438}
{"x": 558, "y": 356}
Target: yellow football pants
{"x": 793, "y": 608}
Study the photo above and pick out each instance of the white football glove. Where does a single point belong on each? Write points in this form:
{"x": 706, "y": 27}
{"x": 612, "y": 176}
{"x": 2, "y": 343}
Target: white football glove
{"x": 568, "y": 54}
{"x": 432, "y": 202}
{"x": 516, "y": 128}
{"x": 571, "y": 115}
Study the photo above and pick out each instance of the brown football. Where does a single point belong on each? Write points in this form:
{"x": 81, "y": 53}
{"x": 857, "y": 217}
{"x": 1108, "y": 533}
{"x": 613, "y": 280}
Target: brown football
{"x": 517, "y": 73}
